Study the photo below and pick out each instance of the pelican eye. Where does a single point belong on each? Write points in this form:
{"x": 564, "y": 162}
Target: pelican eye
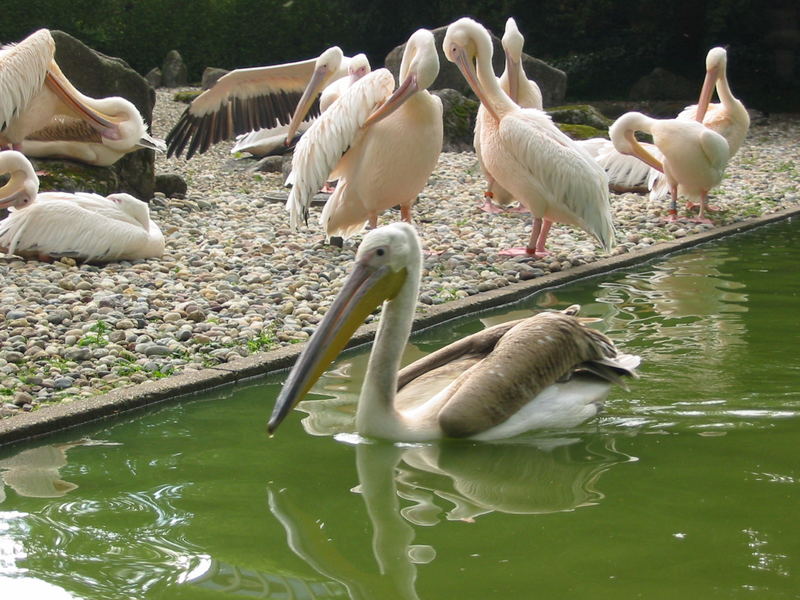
{"x": 380, "y": 251}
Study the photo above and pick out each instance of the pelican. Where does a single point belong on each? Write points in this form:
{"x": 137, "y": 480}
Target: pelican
{"x": 693, "y": 156}
{"x": 546, "y": 371}
{"x": 523, "y": 91}
{"x": 36, "y": 99}
{"x": 255, "y": 98}
{"x": 84, "y": 226}
{"x": 275, "y": 139}
{"x": 527, "y": 154}
{"x": 381, "y": 143}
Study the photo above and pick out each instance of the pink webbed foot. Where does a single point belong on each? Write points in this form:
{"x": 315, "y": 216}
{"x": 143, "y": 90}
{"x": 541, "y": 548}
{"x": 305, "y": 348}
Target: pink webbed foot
{"x": 519, "y": 208}
{"x": 524, "y": 251}
{"x": 709, "y": 207}
{"x": 328, "y": 188}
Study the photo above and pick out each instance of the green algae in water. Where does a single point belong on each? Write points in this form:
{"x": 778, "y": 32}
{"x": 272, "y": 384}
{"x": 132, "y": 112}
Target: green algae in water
{"x": 686, "y": 485}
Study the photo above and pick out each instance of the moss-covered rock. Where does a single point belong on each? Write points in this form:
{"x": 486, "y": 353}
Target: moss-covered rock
{"x": 579, "y": 114}
{"x": 582, "y": 132}
{"x": 69, "y": 176}
{"x": 459, "y": 114}
{"x": 186, "y": 96}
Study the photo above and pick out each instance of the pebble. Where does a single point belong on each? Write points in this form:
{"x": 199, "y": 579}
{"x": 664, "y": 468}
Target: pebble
{"x": 236, "y": 280}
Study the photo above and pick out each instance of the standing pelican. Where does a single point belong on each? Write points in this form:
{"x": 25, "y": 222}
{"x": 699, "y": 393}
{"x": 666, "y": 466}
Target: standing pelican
{"x": 83, "y": 226}
{"x": 523, "y": 91}
{"x": 527, "y": 154}
{"x": 514, "y": 377}
{"x": 37, "y": 99}
{"x": 272, "y": 140}
{"x": 694, "y": 156}
{"x": 381, "y": 144}
{"x": 255, "y": 98}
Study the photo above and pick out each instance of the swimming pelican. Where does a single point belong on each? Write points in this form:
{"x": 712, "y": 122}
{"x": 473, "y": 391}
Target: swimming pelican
{"x": 692, "y": 155}
{"x": 508, "y": 379}
{"x": 523, "y": 91}
{"x": 255, "y": 98}
{"x": 37, "y": 99}
{"x": 527, "y": 154}
{"x": 84, "y": 226}
{"x": 271, "y": 140}
{"x": 381, "y": 143}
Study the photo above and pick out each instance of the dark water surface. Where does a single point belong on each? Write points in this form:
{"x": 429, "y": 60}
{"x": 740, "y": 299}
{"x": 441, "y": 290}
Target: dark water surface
{"x": 688, "y": 485}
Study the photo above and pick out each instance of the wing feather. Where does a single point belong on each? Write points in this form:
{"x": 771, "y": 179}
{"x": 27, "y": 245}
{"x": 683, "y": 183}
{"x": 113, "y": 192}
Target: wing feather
{"x": 333, "y": 132}
{"x": 24, "y": 67}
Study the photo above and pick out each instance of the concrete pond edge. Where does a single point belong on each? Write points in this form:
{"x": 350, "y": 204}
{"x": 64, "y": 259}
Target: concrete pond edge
{"x": 65, "y": 415}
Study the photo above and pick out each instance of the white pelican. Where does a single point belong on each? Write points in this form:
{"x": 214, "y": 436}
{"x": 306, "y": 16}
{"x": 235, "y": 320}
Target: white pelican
{"x": 523, "y": 91}
{"x": 692, "y": 155}
{"x": 37, "y": 99}
{"x": 84, "y": 226}
{"x": 381, "y": 157}
{"x": 255, "y": 98}
{"x": 270, "y": 140}
{"x": 527, "y": 154}
{"x": 508, "y": 379}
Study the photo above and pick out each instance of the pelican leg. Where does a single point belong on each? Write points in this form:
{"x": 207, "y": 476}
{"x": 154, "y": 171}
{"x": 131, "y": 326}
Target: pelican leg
{"x": 540, "y": 241}
{"x": 372, "y": 221}
{"x": 672, "y": 213}
{"x": 701, "y": 217}
{"x": 539, "y": 232}
{"x": 405, "y": 213}
{"x": 489, "y": 206}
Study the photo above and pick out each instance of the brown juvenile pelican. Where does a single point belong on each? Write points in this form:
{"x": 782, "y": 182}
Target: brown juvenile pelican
{"x": 546, "y": 371}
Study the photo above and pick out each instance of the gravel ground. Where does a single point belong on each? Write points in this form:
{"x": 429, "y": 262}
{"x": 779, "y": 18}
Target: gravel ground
{"x": 235, "y": 280}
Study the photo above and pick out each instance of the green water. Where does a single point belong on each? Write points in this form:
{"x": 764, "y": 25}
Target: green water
{"x": 688, "y": 484}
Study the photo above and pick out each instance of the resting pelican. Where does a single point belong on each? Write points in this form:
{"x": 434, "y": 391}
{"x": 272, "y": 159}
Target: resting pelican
{"x": 508, "y": 379}
{"x": 694, "y": 156}
{"x": 381, "y": 144}
{"x": 254, "y": 98}
{"x": 276, "y": 139}
{"x": 36, "y": 99}
{"x": 84, "y": 226}
{"x": 527, "y": 154}
{"x": 523, "y": 91}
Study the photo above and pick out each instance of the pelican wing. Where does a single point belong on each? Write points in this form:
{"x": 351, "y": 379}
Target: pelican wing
{"x": 534, "y": 354}
{"x": 626, "y": 172}
{"x": 574, "y": 186}
{"x": 66, "y": 129}
{"x": 87, "y": 227}
{"x": 241, "y": 101}
{"x": 23, "y": 68}
{"x": 333, "y": 132}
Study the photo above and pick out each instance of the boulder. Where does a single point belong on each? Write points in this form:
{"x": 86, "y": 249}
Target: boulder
{"x": 173, "y": 71}
{"x": 153, "y": 77}
{"x": 579, "y": 114}
{"x": 171, "y": 185}
{"x": 98, "y": 76}
{"x": 459, "y": 120}
{"x": 552, "y": 81}
{"x": 210, "y": 76}
{"x": 661, "y": 84}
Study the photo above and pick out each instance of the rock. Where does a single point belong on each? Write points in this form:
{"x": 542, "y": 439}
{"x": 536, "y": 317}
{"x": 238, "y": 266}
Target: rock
{"x": 459, "y": 114}
{"x": 269, "y": 164}
{"x": 210, "y": 76}
{"x": 171, "y": 185}
{"x": 173, "y": 71}
{"x": 552, "y": 81}
{"x": 579, "y": 114}
{"x": 58, "y": 316}
{"x": 661, "y": 84}
{"x": 153, "y": 77}
{"x": 63, "y": 383}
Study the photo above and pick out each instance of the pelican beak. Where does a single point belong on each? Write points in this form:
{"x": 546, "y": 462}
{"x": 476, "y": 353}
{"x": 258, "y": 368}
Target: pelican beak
{"x": 467, "y": 68}
{"x": 365, "y": 289}
{"x": 705, "y": 93}
{"x": 318, "y": 80}
{"x": 512, "y": 68}
{"x": 146, "y": 141}
{"x": 407, "y": 89}
{"x": 13, "y": 194}
{"x": 641, "y": 152}
{"x": 61, "y": 87}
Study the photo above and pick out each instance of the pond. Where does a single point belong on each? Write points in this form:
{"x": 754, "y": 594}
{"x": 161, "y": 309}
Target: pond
{"x": 688, "y": 483}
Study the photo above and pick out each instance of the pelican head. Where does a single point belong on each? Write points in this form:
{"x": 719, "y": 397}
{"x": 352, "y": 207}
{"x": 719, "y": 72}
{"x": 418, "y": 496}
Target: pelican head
{"x": 383, "y": 267}
{"x": 418, "y": 71}
{"x": 465, "y": 42}
{"x": 358, "y": 67}
{"x": 622, "y": 133}
{"x": 133, "y": 207}
{"x": 326, "y": 69}
{"x": 716, "y": 62}
{"x": 23, "y": 186}
{"x": 128, "y": 130}
{"x": 512, "y": 45}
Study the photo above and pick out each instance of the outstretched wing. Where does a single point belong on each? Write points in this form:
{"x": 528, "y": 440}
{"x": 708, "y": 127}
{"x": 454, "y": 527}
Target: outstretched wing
{"x": 241, "y": 101}
{"x": 334, "y": 131}
{"x": 23, "y": 68}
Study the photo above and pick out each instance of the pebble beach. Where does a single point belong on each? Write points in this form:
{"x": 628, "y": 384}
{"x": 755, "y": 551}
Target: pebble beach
{"x": 235, "y": 279}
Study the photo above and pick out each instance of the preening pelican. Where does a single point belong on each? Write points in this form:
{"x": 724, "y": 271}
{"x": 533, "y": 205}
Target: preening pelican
{"x": 694, "y": 156}
{"x": 37, "y": 100}
{"x": 84, "y": 226}
{"x": 255, "y": 98}
{"x": 523, "y": 91}
{"x": 527, "y": 154}
{"x": 546, "y": 371}
{"x": 276, "y": 139}
{"x": 381, "y": 143}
